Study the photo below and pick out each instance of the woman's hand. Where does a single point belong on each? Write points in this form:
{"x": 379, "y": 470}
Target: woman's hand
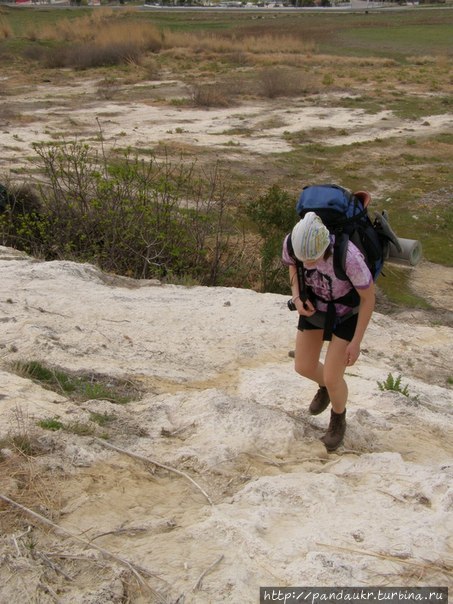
{"x": 352, "y": 353}
{"x": 367, "y": 299}
{"x": 305, "y": 309}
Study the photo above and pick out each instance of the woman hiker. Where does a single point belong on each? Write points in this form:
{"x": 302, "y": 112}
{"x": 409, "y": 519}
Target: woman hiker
{"x": 324, "y": 317}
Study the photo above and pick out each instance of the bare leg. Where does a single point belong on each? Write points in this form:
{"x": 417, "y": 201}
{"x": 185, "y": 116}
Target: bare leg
{"x": 308, "y": 350}
{"x": 334, "y": 369}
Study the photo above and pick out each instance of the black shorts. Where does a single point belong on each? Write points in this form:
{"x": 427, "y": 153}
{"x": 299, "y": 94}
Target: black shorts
{"x": 344, "y": 330}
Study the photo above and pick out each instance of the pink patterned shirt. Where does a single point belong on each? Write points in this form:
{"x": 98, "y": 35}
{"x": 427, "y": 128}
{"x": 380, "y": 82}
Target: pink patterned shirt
{"x": 323, "y": 281}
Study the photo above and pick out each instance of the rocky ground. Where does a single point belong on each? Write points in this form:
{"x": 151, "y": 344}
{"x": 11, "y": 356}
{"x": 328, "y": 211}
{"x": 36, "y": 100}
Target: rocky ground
{"x": 212, "y": 481}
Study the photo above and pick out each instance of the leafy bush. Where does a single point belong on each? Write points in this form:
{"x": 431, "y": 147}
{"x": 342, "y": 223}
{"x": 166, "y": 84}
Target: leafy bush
{"x": 20, "y": 219}
{"x": 274, "y": 215}
{"x": 143, "y": 219}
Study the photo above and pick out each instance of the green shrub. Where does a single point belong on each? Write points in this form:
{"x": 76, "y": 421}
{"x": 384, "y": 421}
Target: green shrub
{"x": 274, "y": 215}
{"x": 143, "y": 219}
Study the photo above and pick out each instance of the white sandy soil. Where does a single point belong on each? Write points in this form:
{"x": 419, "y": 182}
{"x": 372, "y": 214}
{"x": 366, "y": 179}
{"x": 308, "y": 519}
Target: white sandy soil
{"x": 222, "y": 404}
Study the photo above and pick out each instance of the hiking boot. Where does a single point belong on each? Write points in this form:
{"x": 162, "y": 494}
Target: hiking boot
{"x": 320, "y": 401}
{"x": 335, "y": 432}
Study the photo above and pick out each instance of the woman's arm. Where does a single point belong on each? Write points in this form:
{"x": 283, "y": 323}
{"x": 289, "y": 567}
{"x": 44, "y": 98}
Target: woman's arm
{"x": 366, "y": 307}
{"x": 306, "y": 310}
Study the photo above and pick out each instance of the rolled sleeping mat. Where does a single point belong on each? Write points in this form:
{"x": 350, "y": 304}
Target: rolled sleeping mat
{"x": 411, "y": 252}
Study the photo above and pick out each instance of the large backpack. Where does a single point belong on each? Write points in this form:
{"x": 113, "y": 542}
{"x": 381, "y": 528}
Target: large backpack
{"x": 345, "y": 214}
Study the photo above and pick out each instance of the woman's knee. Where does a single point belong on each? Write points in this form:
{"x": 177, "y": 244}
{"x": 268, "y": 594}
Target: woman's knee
{"x": 308, "y": 349}
{"x": 306, "y": 367}
{"x": 333, "y": 381}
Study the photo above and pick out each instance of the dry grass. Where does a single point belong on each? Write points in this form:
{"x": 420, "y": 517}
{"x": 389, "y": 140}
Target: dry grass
{"x": 80, "y": 29}
{"x": 211, "y": 95}
{"x": 277, "y": 82}
{"x": 144, "y": 35}
{"x": 5, "y": 28}
{"x": 267, "y": 44}
{"x": 108, "y": 88}
{"x": 21, "y": 476}
{"x": 97, "y": 40}
{"x": 102, "y": 30}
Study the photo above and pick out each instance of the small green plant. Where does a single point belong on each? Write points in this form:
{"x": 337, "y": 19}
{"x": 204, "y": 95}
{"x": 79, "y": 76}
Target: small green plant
{"x": 52, "y": 424}
{"x": 394, "y": 385}
{"x": 79, "y": 427}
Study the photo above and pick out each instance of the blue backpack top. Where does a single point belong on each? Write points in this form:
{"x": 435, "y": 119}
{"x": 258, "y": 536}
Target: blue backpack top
{"x": 345, "y": 214}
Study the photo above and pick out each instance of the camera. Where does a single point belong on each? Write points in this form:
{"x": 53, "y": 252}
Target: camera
{"x": 291, "y": 305}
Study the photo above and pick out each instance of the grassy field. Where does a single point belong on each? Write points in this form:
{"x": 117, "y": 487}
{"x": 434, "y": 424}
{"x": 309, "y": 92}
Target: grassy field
{"x": 396, "y": 61}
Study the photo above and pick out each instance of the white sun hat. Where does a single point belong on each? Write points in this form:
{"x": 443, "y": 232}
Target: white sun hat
{"x": 310, "y": 238}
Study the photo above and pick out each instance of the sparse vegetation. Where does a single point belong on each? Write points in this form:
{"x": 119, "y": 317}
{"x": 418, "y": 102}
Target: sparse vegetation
{"x": 102, "y": 419}
{"x": 5, "y": 28}
{"x": 78, "y": 386}
{"x": 273, "y": 214}
{"x": 22, "y": 438}
{"x": 80, "y": 428}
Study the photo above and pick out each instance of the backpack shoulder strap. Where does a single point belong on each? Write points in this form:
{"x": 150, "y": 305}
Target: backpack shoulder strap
{"x": 340, "y": 250}
{"x": 299, "y": 271}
